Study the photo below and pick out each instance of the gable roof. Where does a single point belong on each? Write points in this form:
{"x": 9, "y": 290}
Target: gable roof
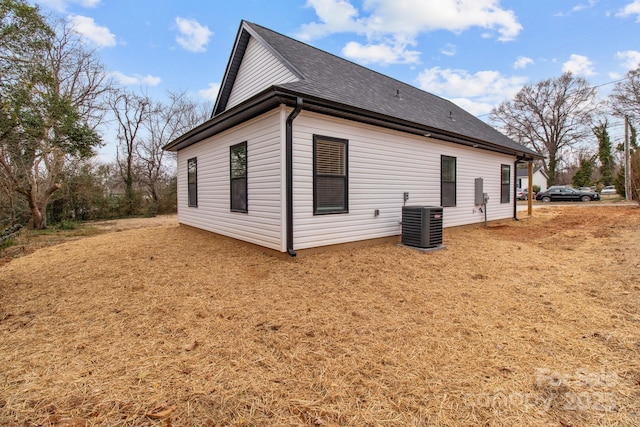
{"x": 332, "y": 85}
{"x": 523, "y": 173}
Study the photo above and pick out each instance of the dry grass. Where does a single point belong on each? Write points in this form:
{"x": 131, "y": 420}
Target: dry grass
{"x": 533, "y": 323}
{"x": 29, "y": 241}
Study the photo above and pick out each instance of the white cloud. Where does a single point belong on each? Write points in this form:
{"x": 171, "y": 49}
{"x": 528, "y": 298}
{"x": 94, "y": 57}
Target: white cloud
{"x": 588, "y": 5}
{"x": 449, "y": 50}
{"x": 579, "y": 65}
{"x": 477, "y": 108}
{"x": 522, "y": 62}
{"x": 62, "y": 5}
{"x": 89, "y": 30}
{"x": 410, "y": 17}
{"x": 192, "y": 36}
{"x": 630, "y": 59}
{"x": 397, "y": 24}
{"x": 336, "y": 16}
{"x": 477, "y": 93}
{"x": 135, "y": 79}
{"x": 578, "y": 8}
{"x": 380, "y": 54}
{"x": 632, "y": 8}
{"x": 210, "y": 93}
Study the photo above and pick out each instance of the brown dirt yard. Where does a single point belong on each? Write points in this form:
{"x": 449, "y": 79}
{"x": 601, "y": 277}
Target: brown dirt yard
{"x": 533, "y": 323}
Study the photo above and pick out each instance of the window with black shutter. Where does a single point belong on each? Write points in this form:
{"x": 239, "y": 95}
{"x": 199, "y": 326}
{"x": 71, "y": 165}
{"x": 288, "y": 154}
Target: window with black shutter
{"x": 330, "y": 177}
{"x": 447, "y": 181}
{"x": 505, "y": 183}
{"x": 192, "y": 182}
{"x": 238, "y": 166}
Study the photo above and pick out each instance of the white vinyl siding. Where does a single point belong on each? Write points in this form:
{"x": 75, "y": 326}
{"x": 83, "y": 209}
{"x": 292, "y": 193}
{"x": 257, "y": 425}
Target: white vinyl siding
{"x": 383, "y": 164}
{"x": 262, "y": 224}
{"x": 538, "y": 179}
{"x": 259, "y": 70}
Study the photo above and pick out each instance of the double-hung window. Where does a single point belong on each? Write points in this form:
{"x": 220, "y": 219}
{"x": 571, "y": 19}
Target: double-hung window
{"x": 447, "y": 181}
{"x": 192, "y": 182}
{"x": 505, "y": 183}
{"x": 330, "y": 175}
{"x": 238, "y": 167}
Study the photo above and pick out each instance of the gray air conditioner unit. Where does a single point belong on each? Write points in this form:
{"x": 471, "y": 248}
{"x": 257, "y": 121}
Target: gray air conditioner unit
{"x": 422, "y": 226}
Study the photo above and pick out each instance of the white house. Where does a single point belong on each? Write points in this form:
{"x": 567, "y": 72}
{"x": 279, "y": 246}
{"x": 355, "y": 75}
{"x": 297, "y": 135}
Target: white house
{"x": 305, "y": 149}
{"x": 539, "y": 178}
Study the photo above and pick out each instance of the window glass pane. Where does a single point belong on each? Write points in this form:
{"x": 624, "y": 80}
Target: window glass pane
{"x": 330, "y": 193}
{"x": 192, "y": 167}
{"x": 330, "y": 178}
{"x": 504, "y": 196}
{"x": 505, "y": 179}
{"x": 330, "y": 158}
{"x": 238, "y": 194}
{"x": 192, "y": 182}
{"x": 506, "y": 174}
{"x": 239, "y": 161}
{"x": 448, "y": 181}
{"x": 448, "y": 169}
{"x": 238, "y": 177}
{"x": 193, "y": 195}
{"x": 448, "y": 194}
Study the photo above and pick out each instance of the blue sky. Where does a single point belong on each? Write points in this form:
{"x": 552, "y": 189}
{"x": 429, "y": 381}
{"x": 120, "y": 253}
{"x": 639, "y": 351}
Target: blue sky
{"x": 477, "y": 53}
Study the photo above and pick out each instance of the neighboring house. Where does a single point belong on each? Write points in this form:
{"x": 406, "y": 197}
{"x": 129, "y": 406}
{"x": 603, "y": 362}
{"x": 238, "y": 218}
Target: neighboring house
{"x": 305, "y": 149}
{"x": 539, "y": 177}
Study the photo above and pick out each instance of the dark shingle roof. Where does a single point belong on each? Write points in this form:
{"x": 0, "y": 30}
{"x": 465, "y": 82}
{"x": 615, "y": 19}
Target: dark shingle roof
{"x": 333, "y": 85}
{"x": 525, "y": 172}
{"x": 335, "y": 79}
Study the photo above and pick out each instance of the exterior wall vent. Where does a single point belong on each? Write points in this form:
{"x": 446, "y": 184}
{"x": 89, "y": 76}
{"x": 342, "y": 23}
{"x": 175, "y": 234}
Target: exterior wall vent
{"x": 422, "y": 226}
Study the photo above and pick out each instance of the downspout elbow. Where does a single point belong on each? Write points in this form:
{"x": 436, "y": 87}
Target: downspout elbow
{"x": 289, "y": 174}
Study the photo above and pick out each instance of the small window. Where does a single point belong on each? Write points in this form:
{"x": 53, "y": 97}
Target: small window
{"x": 330, "y": 179}
{"x": 238, "y": 162}
{"x": 192, "y": 182}
{"x": 448, "y": 181}
{"x": 505, "y": 183}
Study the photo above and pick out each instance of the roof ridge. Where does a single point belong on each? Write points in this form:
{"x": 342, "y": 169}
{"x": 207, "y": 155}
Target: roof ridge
{"x": 324, "y": 52}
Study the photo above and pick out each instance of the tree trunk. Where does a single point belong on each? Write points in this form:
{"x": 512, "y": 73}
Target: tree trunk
{"x": 129, "y": 193}
{"x": 38, "y": 207}
{"x": 38, "y": 219}
{"x": 154, "y": 202}
{"x": 38, "y": 216}
{"x": 553, "y": 164}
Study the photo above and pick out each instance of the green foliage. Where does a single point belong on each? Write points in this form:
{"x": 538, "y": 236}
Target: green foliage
{"x": 582, "y": 177}
{"x": 47, "y": 85}
{"x": 536, "y": 188}
{"x": 618, "y": 181}
{"x": 168, "y": 198}
{"x": 24, "y": 34}
{"x": 67, "y": 225}
{"x": 7, "y": 243}
{"x": 8, "y": 234}
{"x": 604, "y": 154}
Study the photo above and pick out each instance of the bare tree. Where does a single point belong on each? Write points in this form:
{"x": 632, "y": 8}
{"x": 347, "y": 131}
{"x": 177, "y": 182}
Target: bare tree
{"x": 625, "y": 97}
{"x": 552, "y": 115}
{"x": 166, "y": 122}
{"x": 81, "y": 76}
{"x": 131, "y": 112}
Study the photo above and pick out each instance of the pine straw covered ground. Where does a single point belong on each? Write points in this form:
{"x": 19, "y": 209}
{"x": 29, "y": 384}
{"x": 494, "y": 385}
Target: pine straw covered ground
{"x": 533, "y": 323}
